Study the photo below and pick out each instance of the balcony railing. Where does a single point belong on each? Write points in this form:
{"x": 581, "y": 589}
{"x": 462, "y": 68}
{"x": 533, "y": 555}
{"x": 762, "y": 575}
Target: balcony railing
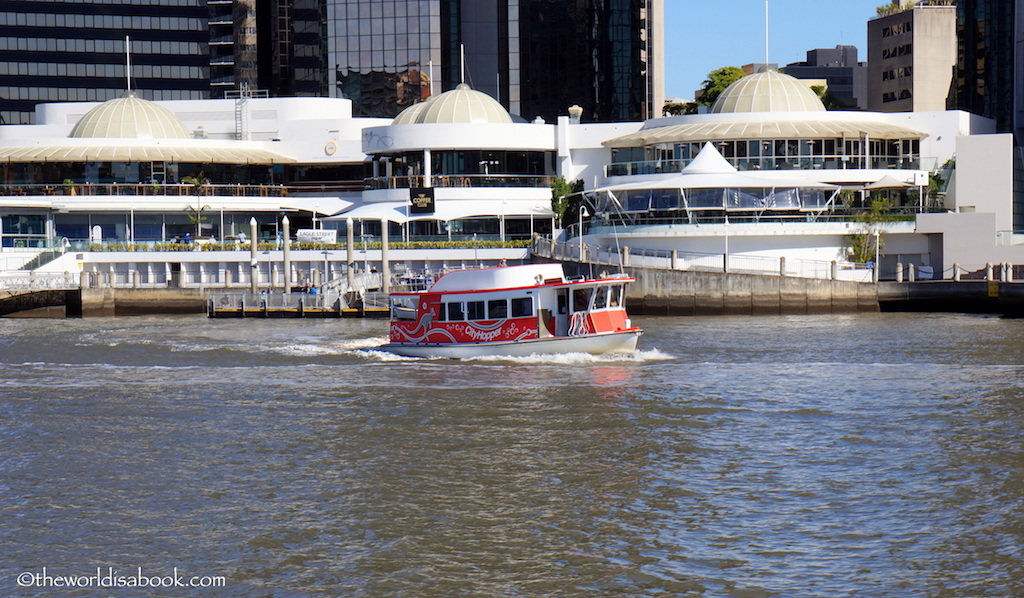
{"x": 648, "y": 167}
{"x": 176, "y": 189}
{"x": 459, "y": 180}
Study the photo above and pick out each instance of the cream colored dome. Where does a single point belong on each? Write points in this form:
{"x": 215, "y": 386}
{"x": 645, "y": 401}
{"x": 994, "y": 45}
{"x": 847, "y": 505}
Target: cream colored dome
{"x": 409, "y": 115}
{"x": 769, "y": 91}
{"x": 460, "y": 105}
{"x": 130, "y": 117}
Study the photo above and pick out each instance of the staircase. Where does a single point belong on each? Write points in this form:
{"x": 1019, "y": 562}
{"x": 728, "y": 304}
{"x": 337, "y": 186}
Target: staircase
{"x": 42, "y": 259}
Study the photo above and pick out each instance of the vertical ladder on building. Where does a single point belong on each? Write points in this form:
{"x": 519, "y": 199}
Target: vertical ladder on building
{"x": 158, "y": 172}
{"x": 242, "y": 112}
{"x": 284, "y": 40}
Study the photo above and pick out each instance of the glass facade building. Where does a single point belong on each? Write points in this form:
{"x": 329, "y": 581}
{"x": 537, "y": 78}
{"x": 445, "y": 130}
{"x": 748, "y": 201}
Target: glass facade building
{"x": 985, "y": 60}
{"x": 536, "y": 57}
{"x": 66, "y": 50}
{"x": 988, "y": 76}
{"x": 381, "y": 52}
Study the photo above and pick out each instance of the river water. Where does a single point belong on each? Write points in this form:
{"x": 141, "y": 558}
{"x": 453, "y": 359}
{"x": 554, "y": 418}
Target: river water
{"x": 867, "y": 455}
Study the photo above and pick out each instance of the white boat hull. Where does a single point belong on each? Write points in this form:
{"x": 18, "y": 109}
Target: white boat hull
{"x": 594, "y": 344}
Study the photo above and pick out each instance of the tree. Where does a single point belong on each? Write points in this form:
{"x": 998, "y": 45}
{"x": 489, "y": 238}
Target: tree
{"x": 863, "y": 246}
{"x": 195, "y": 215}
{"x": 716, "y": 83}
{"x": 827, "y": 99}
{"x": 564, "y": 197}
{"x": 680, "y": 108}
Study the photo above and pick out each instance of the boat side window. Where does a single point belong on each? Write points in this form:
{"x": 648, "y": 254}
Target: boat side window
{"x": 455, "y": 312}
{"x": 497, "y": 309}
{"x": 402, "y": 308}
{"x": 475, "y": 310}
{"x": 522, "y": 307}
{"x": 563, "y": 301}
{"x": 581, "y": 299}
{"x": 615, "y": 297}
{"x": 601, "y": 299}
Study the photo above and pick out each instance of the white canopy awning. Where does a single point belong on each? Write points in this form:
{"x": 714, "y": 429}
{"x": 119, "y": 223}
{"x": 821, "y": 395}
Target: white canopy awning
{"x": 197, "y": 152}
{"x": 398, "y": 211}
{"x": 770, "y": 129}
{"x": 709, "y": 170}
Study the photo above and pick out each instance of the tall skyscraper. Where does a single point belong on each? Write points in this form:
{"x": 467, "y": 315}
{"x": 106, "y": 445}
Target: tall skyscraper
{"x": 276, "y": 46}
{"x": 74, "y": 50}
{"x": 911, "y": 57}
{"x": 70, "y": 50}
{"x": 990, "y": 74}
{"x": 985, "y": 60}
{"x": 536, "y": 57}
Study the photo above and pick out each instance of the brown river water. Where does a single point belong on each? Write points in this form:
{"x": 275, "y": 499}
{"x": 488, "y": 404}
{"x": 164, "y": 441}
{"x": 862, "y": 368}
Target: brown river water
{"x": 867, "y": 455}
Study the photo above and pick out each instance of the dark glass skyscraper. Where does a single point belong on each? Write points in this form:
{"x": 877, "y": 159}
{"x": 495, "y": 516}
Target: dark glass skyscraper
{"x": 66, "y": 50}
{"x": 990, "y": 79}
{"x": 537, "y": 57}
{"x": 985, "y": 60}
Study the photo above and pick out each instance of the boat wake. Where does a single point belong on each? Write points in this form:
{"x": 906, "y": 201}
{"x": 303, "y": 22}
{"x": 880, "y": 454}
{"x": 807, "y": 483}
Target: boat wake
{"x": 647, "y": 356}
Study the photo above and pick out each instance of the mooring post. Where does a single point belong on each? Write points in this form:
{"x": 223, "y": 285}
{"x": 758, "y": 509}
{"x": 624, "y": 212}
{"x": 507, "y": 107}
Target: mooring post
{"x": 287, "y": 256}
{"x": 253, "y": 263}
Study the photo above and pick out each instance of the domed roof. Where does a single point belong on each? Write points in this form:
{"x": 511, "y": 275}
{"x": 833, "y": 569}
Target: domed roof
{"x": 768, "y": 91}
{"x": 459, "y": 105}
{"x": 130, "y": 117}
{"x": 409, "y": 115}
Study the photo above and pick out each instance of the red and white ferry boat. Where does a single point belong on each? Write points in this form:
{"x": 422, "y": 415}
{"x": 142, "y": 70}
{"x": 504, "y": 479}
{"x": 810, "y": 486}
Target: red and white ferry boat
{"x": 512, "y": 310}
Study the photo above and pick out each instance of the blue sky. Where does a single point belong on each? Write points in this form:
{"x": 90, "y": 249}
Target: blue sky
{"x": 703, "y": 35}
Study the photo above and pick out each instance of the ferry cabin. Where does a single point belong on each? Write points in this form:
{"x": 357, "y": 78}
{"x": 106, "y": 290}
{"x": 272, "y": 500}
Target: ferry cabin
{"x": 518, "y": 303}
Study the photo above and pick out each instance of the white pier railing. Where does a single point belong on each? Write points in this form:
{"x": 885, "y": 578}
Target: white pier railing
{"x": 705, "y": 262}
{"x": 29, "y": 281}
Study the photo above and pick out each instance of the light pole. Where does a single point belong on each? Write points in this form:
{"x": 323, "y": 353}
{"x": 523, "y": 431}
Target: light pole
{"x": 325, "y": 276}
{"x": 583, "y": 214}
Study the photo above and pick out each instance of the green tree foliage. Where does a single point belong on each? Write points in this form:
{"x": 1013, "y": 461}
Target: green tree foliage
{"x": 716, "y": 83}
{"x": 862, "y": 247}
{"x": 195, "y": 215}
{"x": 826, "y": 98}
{"x": 565, "y": 198}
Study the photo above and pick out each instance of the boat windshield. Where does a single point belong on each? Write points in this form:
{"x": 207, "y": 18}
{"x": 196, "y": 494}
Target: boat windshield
{"x": 594, "y": 298}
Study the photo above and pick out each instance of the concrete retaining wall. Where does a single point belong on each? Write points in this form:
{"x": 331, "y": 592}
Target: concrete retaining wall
{"x": 688, "y": 293}
{"x": 136, "y": 302}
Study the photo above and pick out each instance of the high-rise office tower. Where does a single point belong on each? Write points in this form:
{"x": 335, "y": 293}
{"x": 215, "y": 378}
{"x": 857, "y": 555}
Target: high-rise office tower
{"x": 68, "y": 50}
{"x": 911, "y": 57}
{"x": 990, "y": 74}
{"x": 74, "y": 50}
{"x": 276, "y": 46}
{"x": 536, "y": 57}
{"x": 985, "y": 60}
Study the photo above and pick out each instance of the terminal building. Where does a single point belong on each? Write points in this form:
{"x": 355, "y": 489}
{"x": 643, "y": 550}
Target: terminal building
{"x": 767, "y": 173}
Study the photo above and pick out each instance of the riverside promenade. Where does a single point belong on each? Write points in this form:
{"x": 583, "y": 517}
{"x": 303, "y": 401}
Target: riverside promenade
{"x": 672, "y": 283}
{"x": 666, "y": 284}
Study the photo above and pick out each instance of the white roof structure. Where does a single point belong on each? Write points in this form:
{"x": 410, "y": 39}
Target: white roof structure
{"x": 709, "y": 170}
{"x": 131, "y": 129}
{"x": 130, "y": 117}
{"x": 768, "y": 91}
{"x": 460, "y": 105}
{"x": 146, "y": 150}
{"x": 768, "y": 128}
{"x": 398, "y": 211}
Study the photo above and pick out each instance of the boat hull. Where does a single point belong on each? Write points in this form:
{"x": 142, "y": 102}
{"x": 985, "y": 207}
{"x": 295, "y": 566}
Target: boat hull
{"x": 594, "y": 344}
